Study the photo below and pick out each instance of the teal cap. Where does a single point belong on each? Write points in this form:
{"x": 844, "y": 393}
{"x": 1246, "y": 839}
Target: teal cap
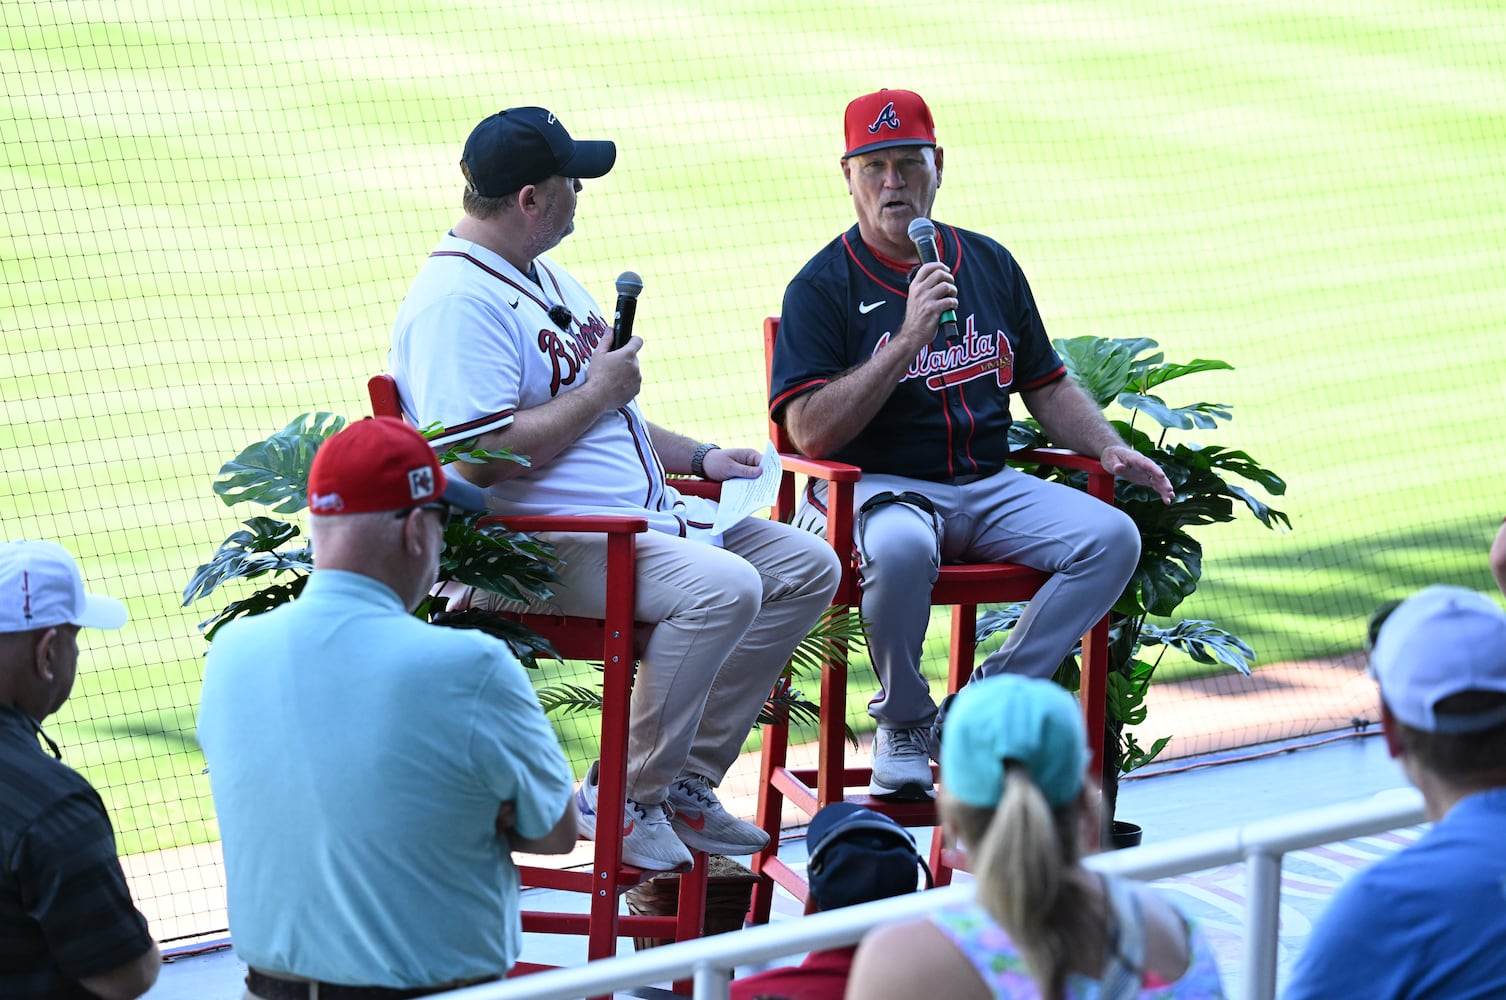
{"x": 1009, "y": 717}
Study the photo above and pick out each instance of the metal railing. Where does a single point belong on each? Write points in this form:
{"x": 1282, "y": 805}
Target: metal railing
{"x": 709, "y": 962}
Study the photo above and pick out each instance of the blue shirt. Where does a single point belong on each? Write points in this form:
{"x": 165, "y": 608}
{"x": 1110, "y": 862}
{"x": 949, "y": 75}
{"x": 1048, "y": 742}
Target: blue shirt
{"x": 1428, "y": 921}
{"x": 357, "y": 759}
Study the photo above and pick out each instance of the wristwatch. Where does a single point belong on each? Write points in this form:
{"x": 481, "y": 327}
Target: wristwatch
{"x": 698, "y": 460}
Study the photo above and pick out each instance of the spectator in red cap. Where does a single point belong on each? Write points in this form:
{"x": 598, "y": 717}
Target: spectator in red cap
{"x": 499, "y": 344}
{"x": 67, "y": 923}
{"x": 905, "y": 367}
{"x": 372, "y": 773}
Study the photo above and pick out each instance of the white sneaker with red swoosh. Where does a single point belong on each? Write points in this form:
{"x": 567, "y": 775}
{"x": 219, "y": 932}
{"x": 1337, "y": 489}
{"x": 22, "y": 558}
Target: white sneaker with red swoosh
{"x": 648, "y": 842}
{"x": 701, "y": 821}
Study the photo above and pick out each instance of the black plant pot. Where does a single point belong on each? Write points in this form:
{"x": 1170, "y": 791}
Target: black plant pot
{"x": 1124, "y": 834}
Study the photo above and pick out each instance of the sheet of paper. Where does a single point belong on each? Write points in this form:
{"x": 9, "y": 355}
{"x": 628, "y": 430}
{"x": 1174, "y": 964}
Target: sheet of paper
{"x": 741, "y": 497}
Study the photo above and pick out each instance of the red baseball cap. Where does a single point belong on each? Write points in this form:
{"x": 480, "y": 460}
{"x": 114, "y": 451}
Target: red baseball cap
{"x": 381, "y": 463}
{"x": 888, "y": 118}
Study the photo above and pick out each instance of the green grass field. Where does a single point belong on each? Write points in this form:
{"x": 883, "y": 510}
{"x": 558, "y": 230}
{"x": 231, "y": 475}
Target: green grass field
{"x": 212, "y": 217}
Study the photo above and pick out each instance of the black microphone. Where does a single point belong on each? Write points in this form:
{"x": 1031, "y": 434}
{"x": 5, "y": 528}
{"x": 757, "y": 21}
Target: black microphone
{"x": 628, "y": 287}
{"x": 923, "y": 234}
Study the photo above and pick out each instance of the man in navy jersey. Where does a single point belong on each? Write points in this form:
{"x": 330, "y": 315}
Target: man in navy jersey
{"x": 865, "y": 373}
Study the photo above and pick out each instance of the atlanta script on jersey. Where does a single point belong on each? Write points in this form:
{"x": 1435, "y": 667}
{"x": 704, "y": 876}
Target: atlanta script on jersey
{"x": 474, "y": 342}
{"x": 949, "y": 416}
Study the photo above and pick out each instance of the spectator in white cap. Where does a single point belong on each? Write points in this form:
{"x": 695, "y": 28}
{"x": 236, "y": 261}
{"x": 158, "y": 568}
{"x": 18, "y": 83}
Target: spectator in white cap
{"x": 372, "y": 773}
{"x": 66, "y": 917}
{"x": 1430, "y": 920}
{"x": 1014, "y": 796}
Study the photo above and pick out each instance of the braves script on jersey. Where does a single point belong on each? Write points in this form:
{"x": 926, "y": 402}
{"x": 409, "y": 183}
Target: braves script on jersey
{"x": 949, "y": 416}
{"x": 474, "y": 342}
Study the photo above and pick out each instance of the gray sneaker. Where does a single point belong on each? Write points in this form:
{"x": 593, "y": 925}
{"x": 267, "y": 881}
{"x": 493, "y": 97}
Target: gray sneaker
{"x": 703, "y": 823}
{"x": 648, "y": 841}
{"x": 901, "y": 765}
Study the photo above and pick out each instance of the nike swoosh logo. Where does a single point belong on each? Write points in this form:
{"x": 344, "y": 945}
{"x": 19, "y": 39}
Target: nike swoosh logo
{"x": 698, "y": 824}
{"x": 864, "y": 308}
{"x": 515, "y": 301}
{"x": 627, "y": 827}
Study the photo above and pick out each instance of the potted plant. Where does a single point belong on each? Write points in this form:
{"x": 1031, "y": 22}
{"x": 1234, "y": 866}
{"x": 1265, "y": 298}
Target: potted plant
{"x": 1128, "y": 373}
{"x": 274, "y": 473}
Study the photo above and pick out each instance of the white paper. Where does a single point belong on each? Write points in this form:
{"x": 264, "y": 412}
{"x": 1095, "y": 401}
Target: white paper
{"x": 742, "y": 497}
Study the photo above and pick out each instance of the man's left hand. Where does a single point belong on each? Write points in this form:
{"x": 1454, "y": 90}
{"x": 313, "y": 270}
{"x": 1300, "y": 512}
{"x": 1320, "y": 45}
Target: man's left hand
{"x": 1127, "y": 463}
{"x": 732, "y": 463}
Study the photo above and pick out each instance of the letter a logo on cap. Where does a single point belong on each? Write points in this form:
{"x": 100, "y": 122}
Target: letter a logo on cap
{"x": 888, "y": 116}
{"x": 421, "y": 483}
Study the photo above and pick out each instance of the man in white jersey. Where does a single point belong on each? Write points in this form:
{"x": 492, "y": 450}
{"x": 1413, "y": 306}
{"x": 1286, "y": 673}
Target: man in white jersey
{"x": 501, "y": 346}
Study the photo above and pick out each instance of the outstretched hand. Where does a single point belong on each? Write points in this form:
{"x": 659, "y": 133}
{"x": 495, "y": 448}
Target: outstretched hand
{"x": 1128, "y": 464}
{"x": 722, "y": 464}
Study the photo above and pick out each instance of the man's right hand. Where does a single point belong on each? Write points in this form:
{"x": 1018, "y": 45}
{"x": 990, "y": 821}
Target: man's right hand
{"x": 615, "y": 376}
{"x": 932, "y": 292}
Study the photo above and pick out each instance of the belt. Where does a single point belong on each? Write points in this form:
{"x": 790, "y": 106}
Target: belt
{"x": 277, "y": 988}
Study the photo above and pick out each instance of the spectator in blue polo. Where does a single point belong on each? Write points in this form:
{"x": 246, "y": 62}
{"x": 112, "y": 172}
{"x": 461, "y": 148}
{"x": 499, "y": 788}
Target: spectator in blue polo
{"x": 1430, "y": 920}
{"x": 373, "y": 773}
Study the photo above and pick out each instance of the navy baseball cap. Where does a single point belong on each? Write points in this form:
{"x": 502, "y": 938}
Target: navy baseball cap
{"x": 858, "y": 855}
{"x": 522, "y": 146}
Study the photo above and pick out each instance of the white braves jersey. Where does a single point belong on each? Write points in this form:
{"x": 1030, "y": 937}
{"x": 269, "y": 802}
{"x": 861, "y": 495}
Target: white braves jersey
{"x": 474, "y": 343}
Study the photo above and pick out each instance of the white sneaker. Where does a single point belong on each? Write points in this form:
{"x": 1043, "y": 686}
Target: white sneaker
{"x": 704, "y": 824}
{"x": 902, "y": 765}
{"x": 648, "y": 841}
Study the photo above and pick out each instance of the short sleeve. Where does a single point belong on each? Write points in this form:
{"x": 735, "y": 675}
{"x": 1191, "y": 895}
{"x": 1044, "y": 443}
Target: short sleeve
{"x": 516, "y": 751}
{"x": 445, "y": 347}
{"x": 72, "y": 885}
{"x": 811, "y": 347}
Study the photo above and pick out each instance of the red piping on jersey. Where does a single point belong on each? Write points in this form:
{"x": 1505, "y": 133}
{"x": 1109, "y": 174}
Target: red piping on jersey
{"x": 864, "y": 268}
{"x": 498, "y": 274}
{"x": 972, "y": 424}
{"x": 790, "y": 393}
{"x": 469, "y": 424}
{"x": 1047, "y": 379}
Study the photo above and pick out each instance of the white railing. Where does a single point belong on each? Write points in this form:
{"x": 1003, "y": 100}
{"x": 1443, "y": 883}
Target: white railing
{"x": 709, "y": 962}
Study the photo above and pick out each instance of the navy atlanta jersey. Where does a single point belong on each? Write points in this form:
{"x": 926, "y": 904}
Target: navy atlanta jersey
{"x": 949, "y": 416}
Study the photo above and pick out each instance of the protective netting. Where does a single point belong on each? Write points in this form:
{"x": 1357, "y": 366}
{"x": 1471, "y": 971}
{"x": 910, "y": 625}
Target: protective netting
{"x": 211, "y": 212}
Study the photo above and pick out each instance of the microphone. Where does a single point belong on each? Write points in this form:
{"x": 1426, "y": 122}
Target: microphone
{"x": 923, "y": 234}
{"x": 628, "y": 287}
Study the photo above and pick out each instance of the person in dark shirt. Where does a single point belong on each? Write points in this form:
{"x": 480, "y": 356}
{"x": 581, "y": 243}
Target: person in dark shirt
{"x": 856, "y": 856}
{"x": 68, "y": 927}
{"x": 913, "y": 371}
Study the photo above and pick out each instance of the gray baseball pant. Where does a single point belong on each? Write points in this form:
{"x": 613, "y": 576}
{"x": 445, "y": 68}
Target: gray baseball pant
{"x": 1090, "y": 548}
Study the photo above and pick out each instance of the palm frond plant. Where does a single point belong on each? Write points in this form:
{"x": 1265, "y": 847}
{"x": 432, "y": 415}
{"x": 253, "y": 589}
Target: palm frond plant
{"x": 1127, "y": 373}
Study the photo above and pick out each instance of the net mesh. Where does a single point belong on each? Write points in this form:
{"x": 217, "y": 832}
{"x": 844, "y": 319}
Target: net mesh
{"x": 212, "y": 211}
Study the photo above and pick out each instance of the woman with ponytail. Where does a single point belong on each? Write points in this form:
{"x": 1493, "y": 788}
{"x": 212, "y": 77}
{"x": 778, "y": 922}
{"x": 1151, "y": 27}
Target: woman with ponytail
{"x": 1015, "y": 799}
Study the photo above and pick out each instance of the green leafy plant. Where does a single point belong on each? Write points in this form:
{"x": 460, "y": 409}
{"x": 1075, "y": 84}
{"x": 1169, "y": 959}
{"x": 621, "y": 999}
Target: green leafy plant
{"x": 1128, "y": 373}
{"x": 274, "y": 473}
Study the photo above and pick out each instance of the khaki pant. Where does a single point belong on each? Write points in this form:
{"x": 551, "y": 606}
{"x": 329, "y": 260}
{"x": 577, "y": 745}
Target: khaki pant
{"x": 726, "y": 621}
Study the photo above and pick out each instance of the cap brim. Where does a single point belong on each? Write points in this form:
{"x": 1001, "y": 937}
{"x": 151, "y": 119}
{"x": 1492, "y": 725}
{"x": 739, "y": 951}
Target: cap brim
{"x": 874, "y": 147}
{"x": 467, "y": 496}
{"x": 101, "y": 612}
{"x": 592, "y": 158}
